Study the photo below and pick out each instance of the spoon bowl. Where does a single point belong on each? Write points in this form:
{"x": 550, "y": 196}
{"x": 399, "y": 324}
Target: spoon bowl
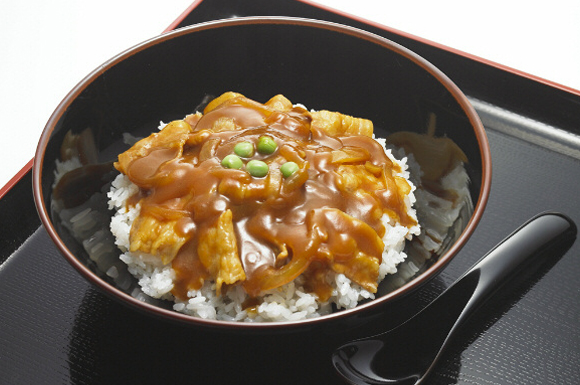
{"x": 407, "y": 354}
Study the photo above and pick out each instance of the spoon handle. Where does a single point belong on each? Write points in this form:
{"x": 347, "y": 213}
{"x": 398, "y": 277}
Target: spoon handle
{"x": 530, "y": 240}
{"x": 374, "y": 361}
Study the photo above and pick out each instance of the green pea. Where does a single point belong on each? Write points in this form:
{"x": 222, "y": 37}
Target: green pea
{"x": 232, "y": 161}
{"x": 288, "y": 169}
{"x": 244, "y": 149}
{"x": 257, "y": 168}
{"x": 266, "y": 145}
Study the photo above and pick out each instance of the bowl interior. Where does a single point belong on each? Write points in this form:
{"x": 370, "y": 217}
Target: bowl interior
{"x": 320, "y": 65}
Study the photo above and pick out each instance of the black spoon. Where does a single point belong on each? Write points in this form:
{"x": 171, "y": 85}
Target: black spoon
{"x": 408, "y": 353}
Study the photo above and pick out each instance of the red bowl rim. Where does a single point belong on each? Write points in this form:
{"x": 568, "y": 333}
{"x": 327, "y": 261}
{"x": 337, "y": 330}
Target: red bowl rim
{"x": 355, "y": 32}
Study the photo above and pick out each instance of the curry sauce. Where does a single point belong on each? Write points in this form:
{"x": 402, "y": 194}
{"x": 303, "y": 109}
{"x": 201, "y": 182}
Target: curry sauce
{"x": 222, "y": 223}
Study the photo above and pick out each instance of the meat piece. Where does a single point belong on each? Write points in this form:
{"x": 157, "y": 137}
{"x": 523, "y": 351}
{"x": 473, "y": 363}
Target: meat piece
{"x": 218, "y": 252}
{"x": 158, "y": 237}
{"x": 173, "y": 136}
{"x": 350, "y": 246}
{"x": 337, "y": 124}
{"x": 220, "y": 100}
{"x": 333, "y": 241}
{"x": 280, "y": 103}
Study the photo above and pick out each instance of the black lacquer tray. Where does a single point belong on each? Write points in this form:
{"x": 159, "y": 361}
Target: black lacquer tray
{"x": 55, "y": 328}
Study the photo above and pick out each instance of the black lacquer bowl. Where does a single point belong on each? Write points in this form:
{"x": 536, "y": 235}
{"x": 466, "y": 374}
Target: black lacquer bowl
{"x": 319, "y": 64}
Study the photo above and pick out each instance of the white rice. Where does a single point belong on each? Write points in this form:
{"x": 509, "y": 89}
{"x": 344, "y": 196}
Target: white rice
{"x": 287, "y": 303}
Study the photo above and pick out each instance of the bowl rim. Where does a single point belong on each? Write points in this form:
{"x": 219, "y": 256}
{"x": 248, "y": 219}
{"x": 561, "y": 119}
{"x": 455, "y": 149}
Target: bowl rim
{"x": 432, "y": 271}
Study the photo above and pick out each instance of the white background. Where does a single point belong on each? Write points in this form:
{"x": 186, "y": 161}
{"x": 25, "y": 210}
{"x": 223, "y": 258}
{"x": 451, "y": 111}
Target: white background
{"x": 46, "y": 47}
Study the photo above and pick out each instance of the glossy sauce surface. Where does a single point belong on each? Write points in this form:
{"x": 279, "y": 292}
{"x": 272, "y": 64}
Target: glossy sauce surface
{"x": 326, "y": 216}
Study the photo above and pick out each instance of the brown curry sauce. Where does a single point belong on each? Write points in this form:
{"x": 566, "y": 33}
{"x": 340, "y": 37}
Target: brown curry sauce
{"x": 209, "y": 221}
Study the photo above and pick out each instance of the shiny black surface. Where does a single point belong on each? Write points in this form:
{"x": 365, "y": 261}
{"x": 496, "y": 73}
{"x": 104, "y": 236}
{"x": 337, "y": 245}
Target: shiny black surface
{"x": 422, "y": 339}
{"x": 57, "y": 329}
